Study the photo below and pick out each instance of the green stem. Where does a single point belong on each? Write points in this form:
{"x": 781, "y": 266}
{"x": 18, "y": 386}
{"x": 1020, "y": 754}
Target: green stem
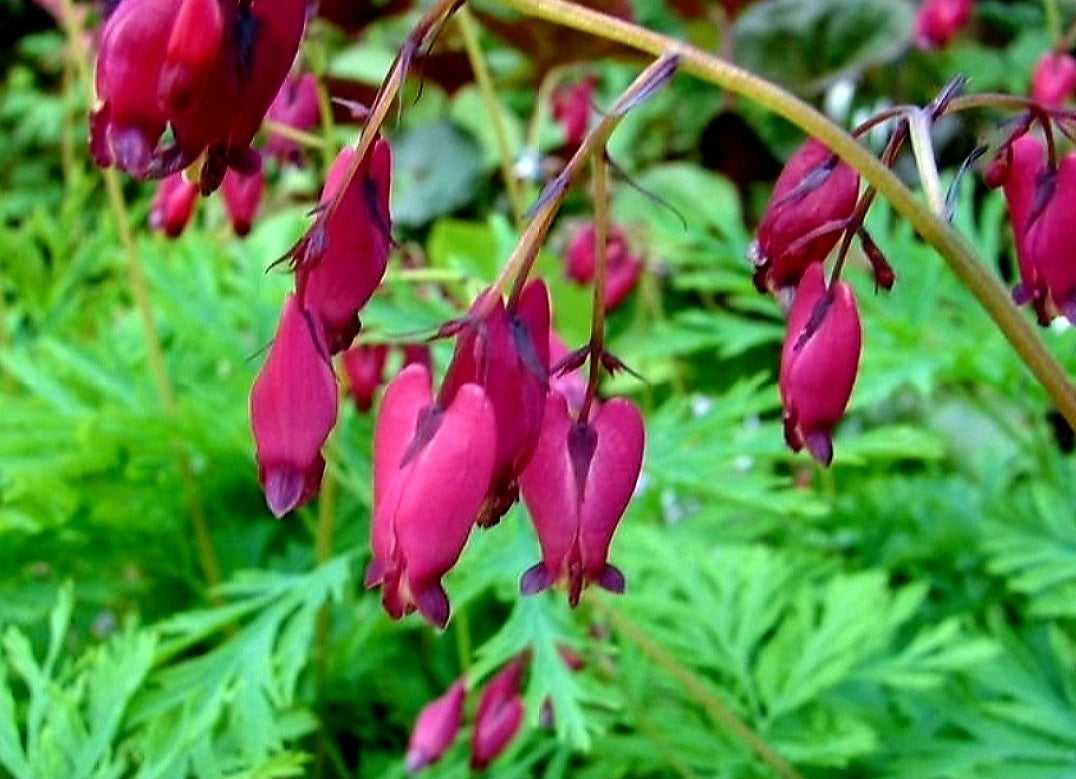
{"x": 601, "y": 252}
{"x": 323, "y": 549}
{"x": 960, "y": 257}
{"x": 144, "y": 305}
{"x": 1053, "y": 20}
{"x": 714, "y": 707}
{"x": 493, "y": 109}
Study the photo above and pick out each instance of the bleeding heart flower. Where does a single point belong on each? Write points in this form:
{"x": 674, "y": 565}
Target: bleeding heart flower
{"x": 1053, "y": 80}
{"x": 432, "y": 466}
{"x": 343, "y": 259}
{"x": 436, "y": 728}
{"x": 819, "y": 362}
{"x": 293, "y": 407}
{"x": 173, "y": 205}
{"x": 295, "y": 106}
{"x": 1051, "y": 236}
{"x": 812, "y": 200}
{"x": 576, "y": 488}
{"x": 242, "y": 195}
{"x": 938, "y": 21}
{"x": 498, "y": 717}
{"x": 622, "y": 268}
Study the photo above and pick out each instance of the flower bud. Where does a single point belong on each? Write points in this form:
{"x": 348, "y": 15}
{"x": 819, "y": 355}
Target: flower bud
{"x": 570, "y": 105}
{"x": 432, "y": 466}
{"x": 622, "y": 268}
{"x": 819, "y": 362}
{"x": 576, "y": 488}
{"x": 938, "y": 21}
{"x": 436, "y": 728}
{"x": 344, "y": 257}
{"x": 365, "y": 369}
{"x": 173, "y": 205}
{"x": 1053, "y": 80}
{"x": 293, "y": 407}
{"x": 498, "y": 717}
{"x": 812, "y": 201}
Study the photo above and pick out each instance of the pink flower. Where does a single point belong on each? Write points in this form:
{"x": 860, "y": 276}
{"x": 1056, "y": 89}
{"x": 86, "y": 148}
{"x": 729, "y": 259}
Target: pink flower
{"x": 436, "y": 728}
{"x": 938, "y": 21}
{"x": 811, "y": 203}
{"x": 819, "y": 362}
{"x": 622, "y": 268}
{"x": 571, "y": 106}
{"x": 206, "y": 68}
{"x": 365, "y": 369}
{"x": 432, "y": 466}
{"x": 1053, "y": 79}
{"x": 293, "y": 407}
{"x": 173, "y": 205}
{"x": 576, "y": 488}
{"x": 242, "y": 195}
{"x": 507, "y": 353}
{"x": 1018, "y": 169}
{"x": 343, "y": 259}
{"x": 295, "y": 106}
{"x": 1051, "y": 236}
{"x": 498, "y": 717}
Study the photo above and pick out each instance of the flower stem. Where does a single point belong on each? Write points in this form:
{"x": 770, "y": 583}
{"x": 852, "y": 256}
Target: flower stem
{"x": 960, "y": 257}
{"x": 601, "y": 256}
{"x": 207, "y": 557}
{"x": 493, "y": 109}
{"x": 714, "y": 707}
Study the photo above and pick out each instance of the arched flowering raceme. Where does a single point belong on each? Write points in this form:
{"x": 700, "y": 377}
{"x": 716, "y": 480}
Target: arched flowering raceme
{"x": 432, "y": 466}
{"x": 1051, "y": 236}
{"x": 293, "y": 407}
{"x": 436, "y": 728}
{"x": 819, "y": 362}
{"x": 576, "y": 488}
{"x": 207, "y": 69}
{"x": 342, "y": 261}
{"x": 1019, "y": 169}
{"x": 812, "y": 200}
{"x": 507, "y": 353}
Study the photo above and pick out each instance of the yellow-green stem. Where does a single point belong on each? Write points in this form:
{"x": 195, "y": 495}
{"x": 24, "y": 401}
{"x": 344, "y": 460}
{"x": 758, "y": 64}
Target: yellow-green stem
{"x": 953, "y": 248}
{"x": 143, "y": 304}
{"x": 323, "y": 550}
{"x": 477, "y": 59}
{"x": 1053, "y": 20}
{"x": 300, "y": 137}
{"x": 714, "y": 707}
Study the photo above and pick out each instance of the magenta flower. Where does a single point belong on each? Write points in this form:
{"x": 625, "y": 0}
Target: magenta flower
{"x": 1018, "y": 169}
{"x": 293, "y": 407}
{"x": 1051, "y": 235}
{"x": 343, "y": 260}
{"x": 499, "y": 715}
{"x": 570, "y": 105}
{"x": 173, "y": 205}
{"x": 622, "y": 268}
{"x": 576, "y": 488}
{"x": 1053, "y": 80}
{"x": 242, "y": 196}
{"x": 295, "y": 106}
{"x": 938, "y": 21}
{"x": 436, "y": 728}
{"x": 507, "y": 354}
{"x": 809, "y": 208}
{"x": 365, "y": 370}
{"x": 432, "y": 466}
{"x": 819, "y": 362}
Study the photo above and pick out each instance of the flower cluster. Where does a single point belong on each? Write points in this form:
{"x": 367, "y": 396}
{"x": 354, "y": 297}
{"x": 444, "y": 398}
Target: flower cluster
{"x": 205, "y": 70}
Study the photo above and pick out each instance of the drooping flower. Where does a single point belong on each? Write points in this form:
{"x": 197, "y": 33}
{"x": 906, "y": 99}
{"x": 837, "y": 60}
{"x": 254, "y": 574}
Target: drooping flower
{"x": 507, "y": 353}
{"x": 365, "y": 369}
{"x": 242, "y": 195}
{"x": 295, "y": 106}
{"x": 344, "y": 259}
{"x": 293, "y": 406}
{"x": 1053, "y": 79}
{"x": 819, "y": 362}
{"x": 938, "y": 21}
{"x": 1051, "y": 236}
{"x": 576, "y": 488}
{"x": 570, "y": 105}
{"x": 432, "y": 466}
{"x": 622, "y": 268}
{"x": 1018, "y": 169}
{"x": 436, "y": 728}
{"x": 812, "y": 200}
{"x": 173, "y": 205}
{"x": 499, "y": 715}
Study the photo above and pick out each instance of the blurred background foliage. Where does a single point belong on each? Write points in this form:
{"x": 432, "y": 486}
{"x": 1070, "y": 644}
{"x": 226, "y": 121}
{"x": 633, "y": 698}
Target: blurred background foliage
{"x": 908, "y": 613}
